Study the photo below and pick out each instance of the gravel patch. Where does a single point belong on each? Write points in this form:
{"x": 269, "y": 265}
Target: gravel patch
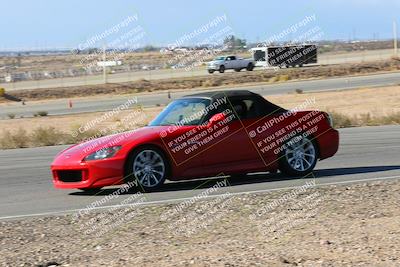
{"x": 345, "y": 225}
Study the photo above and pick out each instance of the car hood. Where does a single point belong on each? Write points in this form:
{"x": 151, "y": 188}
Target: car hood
{"x": 79, "y": 151}
{"x": 215, "y": 62}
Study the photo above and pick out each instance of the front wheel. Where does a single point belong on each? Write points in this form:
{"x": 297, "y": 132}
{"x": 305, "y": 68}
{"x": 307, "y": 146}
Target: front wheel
{"x": 299, "y": 156}
{"x": 148, "y": 167}
{"x": 211, "y": 71}
{"x": 222, "y": 69}
{"x": 250, "y": 67}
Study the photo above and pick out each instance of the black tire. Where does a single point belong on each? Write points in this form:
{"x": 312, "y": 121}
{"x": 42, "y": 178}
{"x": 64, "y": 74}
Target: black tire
{"x": 298, "y": 157}
{"x": 250, "y": 67}
{"x": 221, "y": 69}
{"x": 211, "y": 71}
{"x": 147, "y": 175}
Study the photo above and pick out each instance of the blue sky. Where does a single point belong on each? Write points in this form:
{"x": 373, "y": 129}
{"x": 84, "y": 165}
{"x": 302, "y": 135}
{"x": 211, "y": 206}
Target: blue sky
{"x": 44, "y": 23}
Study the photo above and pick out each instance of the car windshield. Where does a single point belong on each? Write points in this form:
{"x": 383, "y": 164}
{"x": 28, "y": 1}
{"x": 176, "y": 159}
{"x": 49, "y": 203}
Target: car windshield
{"x": 219, "y": 58}
{"x": 187, "y": 111}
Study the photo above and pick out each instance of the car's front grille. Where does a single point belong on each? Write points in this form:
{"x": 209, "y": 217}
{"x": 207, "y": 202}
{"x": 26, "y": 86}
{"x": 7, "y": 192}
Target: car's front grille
{"x": 69, "y": 176}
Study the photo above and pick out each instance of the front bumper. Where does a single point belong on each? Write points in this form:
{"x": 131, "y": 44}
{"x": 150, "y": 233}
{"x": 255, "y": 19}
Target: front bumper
{"x": 91, "y": 174}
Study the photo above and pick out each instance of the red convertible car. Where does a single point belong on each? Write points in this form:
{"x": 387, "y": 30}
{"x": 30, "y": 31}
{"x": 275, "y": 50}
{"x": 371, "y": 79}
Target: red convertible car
{"x": 202, "y": 135}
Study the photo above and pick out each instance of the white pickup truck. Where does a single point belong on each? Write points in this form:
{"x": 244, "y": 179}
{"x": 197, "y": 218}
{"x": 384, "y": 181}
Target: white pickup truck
{"x": 223, "y": 63}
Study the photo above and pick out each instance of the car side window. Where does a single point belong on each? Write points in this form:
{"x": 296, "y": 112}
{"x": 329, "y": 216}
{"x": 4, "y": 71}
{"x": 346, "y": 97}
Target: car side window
{"x": 213, "y": 111}
{"x": 246, "y": 108}
{"x": 253, "y": 108}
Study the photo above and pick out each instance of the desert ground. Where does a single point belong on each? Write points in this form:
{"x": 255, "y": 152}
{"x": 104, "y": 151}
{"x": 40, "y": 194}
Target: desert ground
{"x": 352, "y": 103}
{"x": 338, "y": 225}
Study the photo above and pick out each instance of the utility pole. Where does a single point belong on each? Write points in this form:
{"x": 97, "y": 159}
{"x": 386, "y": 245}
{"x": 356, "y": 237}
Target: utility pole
{"x": 104, "y": 66}
{"x": 395, "y": 37}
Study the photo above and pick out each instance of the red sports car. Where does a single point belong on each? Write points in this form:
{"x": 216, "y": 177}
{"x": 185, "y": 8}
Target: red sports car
{"x": 202, "y": 135}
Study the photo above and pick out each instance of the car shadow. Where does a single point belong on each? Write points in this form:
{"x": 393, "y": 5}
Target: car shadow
{"x": 248, "y": 179}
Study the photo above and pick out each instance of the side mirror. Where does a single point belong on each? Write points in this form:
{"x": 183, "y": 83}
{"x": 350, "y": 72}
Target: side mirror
{"x": 216, "y": 118}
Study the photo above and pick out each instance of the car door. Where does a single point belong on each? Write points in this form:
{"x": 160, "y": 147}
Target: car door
{"x": 228, "y": 63}
{"x": 178, "y": 140}
{"x": 231, "y": 149}
{"x": 266, "y": 126}
{"x": 233, "y": 62}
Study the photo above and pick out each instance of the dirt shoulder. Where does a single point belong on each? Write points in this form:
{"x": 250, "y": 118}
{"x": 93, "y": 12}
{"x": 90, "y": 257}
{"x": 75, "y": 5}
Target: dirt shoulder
{"x": 353, "y": 103}
{"x": 357, "y": 107}
{"x": 227, "y": 79}
{"x": 342, "y": 225}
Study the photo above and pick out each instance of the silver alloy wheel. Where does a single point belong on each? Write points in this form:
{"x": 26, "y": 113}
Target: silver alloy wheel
{"x": 300, "y": 154}
{"x": 149, "y": 168}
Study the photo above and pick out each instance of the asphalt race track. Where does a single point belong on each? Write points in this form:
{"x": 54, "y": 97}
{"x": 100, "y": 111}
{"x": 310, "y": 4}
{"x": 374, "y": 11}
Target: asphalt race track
{"x": 60, "y": 107}
{"x": 365, "y": 153}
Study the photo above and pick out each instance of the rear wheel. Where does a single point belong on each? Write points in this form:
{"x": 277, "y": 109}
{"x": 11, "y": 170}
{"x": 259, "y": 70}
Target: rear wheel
{"x": 149, "y": 167}
{"x": 222, "y": 69}
{"x": 211, "y": 71}
{"x": 250, "y": 67}
{"x": 298, "y": 157}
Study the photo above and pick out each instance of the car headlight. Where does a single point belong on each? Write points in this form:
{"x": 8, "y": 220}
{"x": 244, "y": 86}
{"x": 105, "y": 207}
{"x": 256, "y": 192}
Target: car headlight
{"x": 103, "y": 153}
